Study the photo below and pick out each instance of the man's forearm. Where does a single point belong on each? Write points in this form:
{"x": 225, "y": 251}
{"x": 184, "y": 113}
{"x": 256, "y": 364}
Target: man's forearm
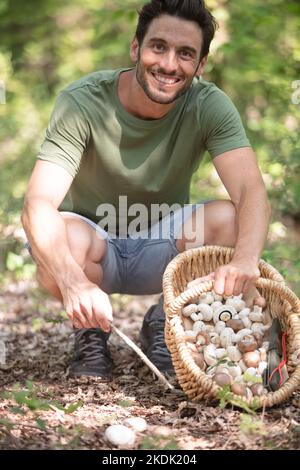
{"x": 46, "y": 233}
{"x": 253, "y": 216}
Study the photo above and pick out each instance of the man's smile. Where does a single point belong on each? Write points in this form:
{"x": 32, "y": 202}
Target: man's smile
{"x": 165, "y": 79}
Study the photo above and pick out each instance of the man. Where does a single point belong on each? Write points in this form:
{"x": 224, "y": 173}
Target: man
{"x": 141, "y": 133}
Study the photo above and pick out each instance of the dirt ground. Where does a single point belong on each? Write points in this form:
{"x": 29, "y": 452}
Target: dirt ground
{"x": 42, "y": 408}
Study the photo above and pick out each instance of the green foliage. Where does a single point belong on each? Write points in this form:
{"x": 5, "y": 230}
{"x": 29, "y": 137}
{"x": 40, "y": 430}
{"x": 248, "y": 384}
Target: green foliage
{"x": 253, "y": 426}
{"x": 227, "y": 397}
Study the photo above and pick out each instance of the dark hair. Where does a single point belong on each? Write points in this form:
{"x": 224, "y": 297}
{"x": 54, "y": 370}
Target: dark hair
{"x": 193, "y": 10}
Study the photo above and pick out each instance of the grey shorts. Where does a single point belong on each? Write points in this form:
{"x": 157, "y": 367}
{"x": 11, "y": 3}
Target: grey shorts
{"x": 136, "y": 266}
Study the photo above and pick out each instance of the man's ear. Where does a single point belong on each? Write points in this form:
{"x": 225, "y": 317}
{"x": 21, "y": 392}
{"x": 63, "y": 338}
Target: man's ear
{"x": 134, "y": 50}
{"x": 201, "y": 66}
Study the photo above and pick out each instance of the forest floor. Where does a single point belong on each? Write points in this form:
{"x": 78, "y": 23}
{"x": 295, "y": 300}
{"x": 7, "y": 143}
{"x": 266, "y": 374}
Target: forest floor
{"x": 42, "y": 408}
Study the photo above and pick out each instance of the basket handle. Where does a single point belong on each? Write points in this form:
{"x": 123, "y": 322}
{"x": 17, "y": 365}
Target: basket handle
{"x": 282, "y": 290}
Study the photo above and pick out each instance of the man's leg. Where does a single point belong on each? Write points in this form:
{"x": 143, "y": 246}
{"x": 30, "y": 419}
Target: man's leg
{"x": 88, "y": 249}
{"x": 217, "y": 227}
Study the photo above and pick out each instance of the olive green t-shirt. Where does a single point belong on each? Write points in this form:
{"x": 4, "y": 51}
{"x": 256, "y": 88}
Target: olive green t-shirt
{"x": 110, "y": 152}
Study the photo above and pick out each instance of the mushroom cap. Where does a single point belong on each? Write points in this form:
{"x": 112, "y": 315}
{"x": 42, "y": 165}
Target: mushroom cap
{"x": 222, "y": 379}
{"x": 252, "y": 358}
{"x": 239, "y": 389}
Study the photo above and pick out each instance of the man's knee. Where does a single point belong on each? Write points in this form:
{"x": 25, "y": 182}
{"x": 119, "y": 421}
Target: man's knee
{"x": 83, "y": 242}
{"x": 220, "y": 223}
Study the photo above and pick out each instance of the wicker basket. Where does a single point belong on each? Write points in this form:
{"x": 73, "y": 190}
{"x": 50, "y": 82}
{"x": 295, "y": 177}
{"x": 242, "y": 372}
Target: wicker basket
{"x": 281, "y": 302}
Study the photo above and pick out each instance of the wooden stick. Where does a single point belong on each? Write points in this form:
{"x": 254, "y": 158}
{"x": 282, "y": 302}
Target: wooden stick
{"x": 142, "y": 356}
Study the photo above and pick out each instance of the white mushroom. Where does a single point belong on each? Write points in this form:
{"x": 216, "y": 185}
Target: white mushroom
{"x": 136, "y": 423}
{"x": 199, "y": 326}
{"x": 252, "y": 359}
{"x": 220, "y": 325}
{"x": 215, "y": 338}
{"x": 261, "y": 367}
{"x": 189, "y": 309}
{"x": 220, "y": 353}
{"x": 263, "y": 354}
{"x": 259, "y": 328}
{"x": 235, "y": 371}
{"x": 206, "y": 298}
{"x": 216, "y": 304}
{"x": 202, "y": 339}
{"x": 227, "y": 337}
{"x": 119, "y": 435}
{"x": 206, "y": 311}
{"x": 247, "y": 322}
{"x": 236, "y": 302}
{"x": 217, "y": 297}
{"x": 251, "y": 373}
{"x": 242, "y": 365}
{"x": 233, "y": 353}
{"x": 195, "y": 317}
{"x": 256, "y": 314}
{"x": 209, "y": 353}
{"x": 244, "y": 313}
{"x": 242, "y": 333}
{"x": 224, "y": 313}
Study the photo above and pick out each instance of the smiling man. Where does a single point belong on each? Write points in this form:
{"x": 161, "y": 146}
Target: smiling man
{"x": 138, "y": 135}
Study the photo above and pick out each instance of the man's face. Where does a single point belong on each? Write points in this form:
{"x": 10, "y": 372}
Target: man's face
{"x": 168, "y": 58}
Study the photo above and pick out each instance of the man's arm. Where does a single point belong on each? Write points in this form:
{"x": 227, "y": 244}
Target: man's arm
{"x": 46, "y": 233}
{"x": 240, "y": 174}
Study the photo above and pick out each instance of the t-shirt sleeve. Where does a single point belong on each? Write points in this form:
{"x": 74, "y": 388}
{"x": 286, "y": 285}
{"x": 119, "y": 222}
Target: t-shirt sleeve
{"x": 222, "y": 124}
{"x": 66, "y": 136}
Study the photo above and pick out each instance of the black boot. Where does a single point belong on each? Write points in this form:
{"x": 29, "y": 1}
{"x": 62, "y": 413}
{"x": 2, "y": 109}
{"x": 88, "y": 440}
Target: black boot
{"x": 91, "y": 355}
{"x": 153, "y": 340}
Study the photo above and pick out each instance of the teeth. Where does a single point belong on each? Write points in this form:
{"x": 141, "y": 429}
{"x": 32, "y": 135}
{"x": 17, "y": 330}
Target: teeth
{"x": 168, "y": 81}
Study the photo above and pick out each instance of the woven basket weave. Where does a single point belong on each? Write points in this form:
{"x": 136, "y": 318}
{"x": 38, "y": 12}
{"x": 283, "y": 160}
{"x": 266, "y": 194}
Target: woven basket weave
{"x": 282, "y": 303}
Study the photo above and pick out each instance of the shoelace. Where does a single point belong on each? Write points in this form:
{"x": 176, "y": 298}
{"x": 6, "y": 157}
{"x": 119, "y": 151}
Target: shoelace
{"x": 91, "y": 345}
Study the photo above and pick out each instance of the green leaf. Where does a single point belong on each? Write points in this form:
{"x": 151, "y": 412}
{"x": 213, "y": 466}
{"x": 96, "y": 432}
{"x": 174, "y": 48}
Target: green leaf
{"x": 41, "y": 424}
{"x": 73, "y": 407}
{"x": 18, "y": 410}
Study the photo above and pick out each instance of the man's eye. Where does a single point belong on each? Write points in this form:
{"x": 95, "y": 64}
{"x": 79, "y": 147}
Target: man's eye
{"x": 158, "y": 47}
{"x": 186, "y": 54}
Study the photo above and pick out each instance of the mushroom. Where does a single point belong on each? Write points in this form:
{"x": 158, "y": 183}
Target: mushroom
{"x": 195, "y": 317}
{"x": 259, "y": 328}
{"x": 209, "y": 353}
{"x": 242, "y": 333}
{"x": 250, "y": 373}
{"x": 206, "y": 311}
{"x": 235, "y": 324}
{"x": 220, "y": 353}
{"x": 244, "y": 313}
{"x": 216, "y": 304}
{"x": 233, "y": 353}
{"x": 246, "y": 322}
{"x": 263, "y": 354}
{"x": 136, "y": 423}
{"x": 251, "y": 358}
{"x": 199, "y": 326}
{"x": 224, "y": 313}
{"x": 119, "y": 435}
{"x": 261, "y": 367}
{"x": 215, "y": 338}
{"x": 202, "y": 339}
{"x": 206, "y": 298}
{"x": 222, "y": 379}
{"x": 227, "y": 337}
{"x": 247, "y": 344}
{"x": 199, "y": 360}
{"x": 256, "y": 314}
{"x": 220, "y": 325}
{"x": 189, "y": 309}
{"x": 236, "y": 302}
{"x": 239, "y": 389}
{"x": 235, "y": 371}
{"x": 258, "y": 390}
{"x": 217, "y": 297}
{"x": 242, "y": 365}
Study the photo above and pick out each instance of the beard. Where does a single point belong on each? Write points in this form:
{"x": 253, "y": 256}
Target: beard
{"x": 159, "y": 94}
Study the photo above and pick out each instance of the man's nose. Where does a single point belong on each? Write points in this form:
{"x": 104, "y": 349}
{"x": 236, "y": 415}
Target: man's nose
{"x": 169, "y": 62}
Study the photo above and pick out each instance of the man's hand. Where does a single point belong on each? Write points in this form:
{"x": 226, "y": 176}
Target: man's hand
{"x": 88, "y": 306}
{"x": 235, "y": 278}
